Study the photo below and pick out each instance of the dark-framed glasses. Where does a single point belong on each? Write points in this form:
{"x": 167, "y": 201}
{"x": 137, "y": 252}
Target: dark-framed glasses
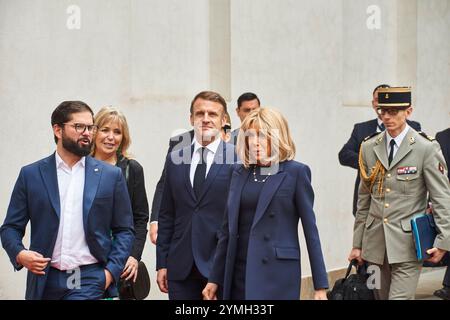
{"x": 81, "y": 127}
{"x": 390, "y": 111}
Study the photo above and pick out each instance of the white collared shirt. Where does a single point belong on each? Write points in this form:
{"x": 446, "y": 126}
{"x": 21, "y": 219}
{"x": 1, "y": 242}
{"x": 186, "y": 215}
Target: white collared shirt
{"x": 398, "y": 140}
{"x": 211, "y": 152}
{"x": 71, "y": 249}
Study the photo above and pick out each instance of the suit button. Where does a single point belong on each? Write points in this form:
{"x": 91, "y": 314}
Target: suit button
{"x": 386, "y": 205}
{"x": 388, "y": 190}
{"x": 272, "y": 214}
{"x": 388, "y": 175}
{"x": 407, "y": 178}
{"x": 385, "y": 220}
{"x": 265, "y": 260}
{"x": 266, "y": 237}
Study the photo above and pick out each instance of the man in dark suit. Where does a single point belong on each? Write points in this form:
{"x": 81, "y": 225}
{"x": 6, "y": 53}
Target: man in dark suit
{"x": 80, "y": 214}
{"x": 195, "y": 191}
{"x": 246, "y": 103}
{"x": 348, "y": 156}
{"x": 175, "y": 143}
{"x": 443, "y": 138}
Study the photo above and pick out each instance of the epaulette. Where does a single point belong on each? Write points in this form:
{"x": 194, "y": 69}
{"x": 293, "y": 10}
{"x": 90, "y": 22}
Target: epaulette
{"x": 371, "y": 136}
{"x": 423, "y": 134}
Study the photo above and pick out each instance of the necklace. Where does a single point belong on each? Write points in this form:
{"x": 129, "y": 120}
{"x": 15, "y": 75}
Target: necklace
{"x": 256, "y": 179}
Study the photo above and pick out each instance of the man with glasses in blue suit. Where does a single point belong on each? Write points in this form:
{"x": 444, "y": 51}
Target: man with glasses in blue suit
{"x": 80, "y": 215}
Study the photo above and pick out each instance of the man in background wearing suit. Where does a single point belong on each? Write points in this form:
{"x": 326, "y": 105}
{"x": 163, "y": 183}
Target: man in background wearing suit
{"x": 443, "y": 138}
{"x": 80, "y": 214}
{"x": 196, "y": 186}
{"x": 246, "y": 103}
{"x": 175, "y": 143}
{"x": 348, "y": 156}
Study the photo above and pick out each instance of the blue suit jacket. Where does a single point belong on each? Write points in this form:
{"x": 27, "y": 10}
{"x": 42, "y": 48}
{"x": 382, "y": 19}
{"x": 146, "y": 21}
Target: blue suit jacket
{"x": 188, "y": 227}
{"x": 106, "y": 211}
{"x": 443, "y": 138}
{"x": 273, "y": 256}
{"x": 348, "y": 156}
{"x": 175, "y": 143}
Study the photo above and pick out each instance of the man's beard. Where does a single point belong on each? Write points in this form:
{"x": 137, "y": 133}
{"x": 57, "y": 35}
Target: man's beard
{"x": 74, "y": 146}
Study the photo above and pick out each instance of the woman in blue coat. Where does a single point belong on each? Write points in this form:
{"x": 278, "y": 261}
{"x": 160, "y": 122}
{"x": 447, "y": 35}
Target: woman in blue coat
{"x": 258, "y": 253}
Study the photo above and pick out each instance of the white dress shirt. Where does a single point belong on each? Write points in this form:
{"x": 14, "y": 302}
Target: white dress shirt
{"x": 71, "y": 249}
{"x": 210, "y": 149}
{"x": 398, "y": 141}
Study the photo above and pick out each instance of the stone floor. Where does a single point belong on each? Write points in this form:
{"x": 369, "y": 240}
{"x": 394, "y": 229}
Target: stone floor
{"x": 430, "y": 280}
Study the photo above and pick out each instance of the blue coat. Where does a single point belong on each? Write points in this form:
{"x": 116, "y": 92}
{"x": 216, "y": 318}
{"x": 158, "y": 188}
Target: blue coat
{"x": 273, "y": 256}
{"x": 348, "y": 156}
{"x": 188, "y": 227}
{"x": 443, "y": 138}
{"x": 106, "y": 211}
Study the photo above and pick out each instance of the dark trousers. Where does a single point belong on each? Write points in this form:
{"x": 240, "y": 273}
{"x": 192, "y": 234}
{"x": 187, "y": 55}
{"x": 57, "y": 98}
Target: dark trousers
{"x": 86, "y": 283}
{"x": 188, "y": 289}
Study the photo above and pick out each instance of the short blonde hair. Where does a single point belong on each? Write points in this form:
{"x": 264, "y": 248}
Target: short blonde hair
{"x": 111, "y": 114}
{"x": 275, "y": 127}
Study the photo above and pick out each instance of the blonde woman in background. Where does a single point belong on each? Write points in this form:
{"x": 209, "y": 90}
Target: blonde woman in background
{"x": 111, "y": 144}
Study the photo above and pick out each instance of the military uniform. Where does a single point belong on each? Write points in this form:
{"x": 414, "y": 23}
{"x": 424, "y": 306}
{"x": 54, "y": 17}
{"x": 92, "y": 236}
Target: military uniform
{"x": 389, "y": 196}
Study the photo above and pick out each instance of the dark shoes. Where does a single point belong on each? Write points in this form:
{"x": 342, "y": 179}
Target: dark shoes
{"x": 443, "y": 293}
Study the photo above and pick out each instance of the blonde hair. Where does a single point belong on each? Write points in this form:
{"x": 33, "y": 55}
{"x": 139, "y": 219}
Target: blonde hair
{"x": 111, "y": 114}
{"x": 272, "y": 124}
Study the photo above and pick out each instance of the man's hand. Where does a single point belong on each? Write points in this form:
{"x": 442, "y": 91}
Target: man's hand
{"x": 109, "y": 279}
{"x": 161, "y": 279}
{"x": 131, "y": 269}
{"x": 436, "y": 255}
{"x": 356, "y": 254}
{"x": 209, "y": 293}
{"x": 153, "y": 232}
{"x": 320, "y": 294}
{"x": 33, "y": 261}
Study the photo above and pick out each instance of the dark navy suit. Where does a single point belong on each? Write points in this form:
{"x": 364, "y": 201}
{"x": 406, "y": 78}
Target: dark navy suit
{"x": 234, "y": 136}
{"x": 106, "y": 212}
{"x": 175, "y": 143}
{"x": 348, "y": 156}
{"x": 273, "y": 255}
{"x": 443, "y": 138}
{"x": 189, "y": 226}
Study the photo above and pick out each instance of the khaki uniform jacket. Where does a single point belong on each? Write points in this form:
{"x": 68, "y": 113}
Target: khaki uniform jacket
{"x": 383, "y": 223}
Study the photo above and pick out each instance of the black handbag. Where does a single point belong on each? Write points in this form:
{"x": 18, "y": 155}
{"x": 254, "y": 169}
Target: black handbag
{"x": 352, "y": 287}
{"x": 139, "y": 290}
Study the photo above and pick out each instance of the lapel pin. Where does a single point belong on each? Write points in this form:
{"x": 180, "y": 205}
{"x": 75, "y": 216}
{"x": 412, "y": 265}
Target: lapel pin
{"x": 96, "y": 169}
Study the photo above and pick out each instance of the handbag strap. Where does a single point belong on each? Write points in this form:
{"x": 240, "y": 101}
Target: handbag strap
{"x": 127, "y": 172}
{"x": 353, "y": 263}
{"x": 349, "y": 268}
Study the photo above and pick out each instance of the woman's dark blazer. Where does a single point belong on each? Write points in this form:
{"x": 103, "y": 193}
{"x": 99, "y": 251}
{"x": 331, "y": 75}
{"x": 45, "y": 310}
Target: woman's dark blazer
{"x": 273, "y": 257}
{"x": 134, "y": 176}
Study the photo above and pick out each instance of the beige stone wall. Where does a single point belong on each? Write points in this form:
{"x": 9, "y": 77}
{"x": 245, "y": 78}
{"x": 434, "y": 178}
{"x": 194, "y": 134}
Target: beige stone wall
{"x": 316, "y": 61}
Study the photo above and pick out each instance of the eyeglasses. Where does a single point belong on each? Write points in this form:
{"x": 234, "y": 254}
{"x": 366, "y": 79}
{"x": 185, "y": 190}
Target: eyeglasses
{"x": 390, "y": 111}
{"x": 81, "y": 127}
{"x": 226, "y": 127}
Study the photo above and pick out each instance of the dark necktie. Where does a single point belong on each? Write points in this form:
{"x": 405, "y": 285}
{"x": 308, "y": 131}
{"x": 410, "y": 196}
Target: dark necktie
{"x": 200, "y": 172}
{"x": 391, "y": 152}
{"x": 381, "y": 127}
